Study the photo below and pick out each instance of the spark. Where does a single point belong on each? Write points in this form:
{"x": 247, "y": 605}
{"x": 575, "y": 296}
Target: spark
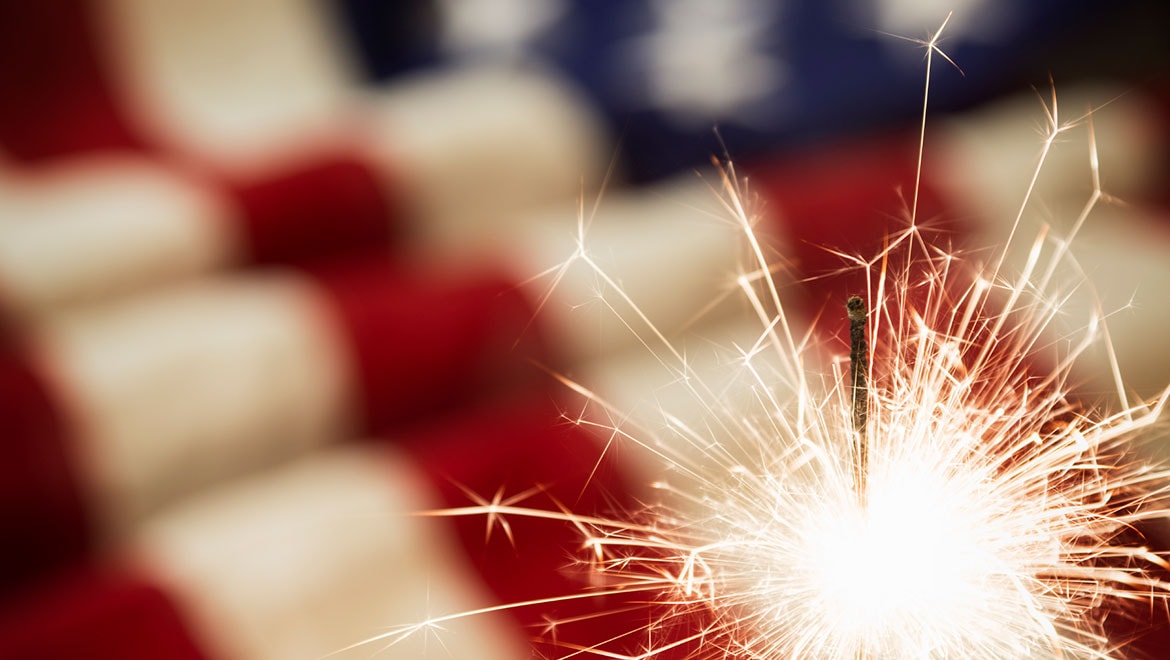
{"x": 995, "y": 517}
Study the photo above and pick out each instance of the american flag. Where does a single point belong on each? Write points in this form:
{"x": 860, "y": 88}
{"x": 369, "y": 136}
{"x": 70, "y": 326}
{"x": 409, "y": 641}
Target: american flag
{"x": 264, "y": 275}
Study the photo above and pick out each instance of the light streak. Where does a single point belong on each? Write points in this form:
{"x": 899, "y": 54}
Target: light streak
{"x": 995, "y": 517}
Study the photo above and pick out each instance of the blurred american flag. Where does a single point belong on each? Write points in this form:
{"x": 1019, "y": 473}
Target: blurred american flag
{"x": 261, "y": 273}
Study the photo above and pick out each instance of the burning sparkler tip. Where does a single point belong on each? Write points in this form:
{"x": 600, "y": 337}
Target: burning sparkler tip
{"x": 856, "y": 307}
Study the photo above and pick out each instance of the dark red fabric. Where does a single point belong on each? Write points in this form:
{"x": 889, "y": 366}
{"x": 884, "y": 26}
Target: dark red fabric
{"x": 42, "y": 516}
{"x": 97, "y": 613}
{"x": 55, "y": 96}
{"x": 849, "y": 198}
{"x": 515, "y": 449}
{"x": 1142, "y": 628}
{"x": 422, "y": 343}
{"x": 330, "y": 206}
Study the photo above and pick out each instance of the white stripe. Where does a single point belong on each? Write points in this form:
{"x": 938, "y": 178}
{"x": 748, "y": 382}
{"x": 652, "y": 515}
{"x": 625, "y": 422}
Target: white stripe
{"x": 232, "y": 82}
{"x": 1120, "y": 268}
{"x": 1118, "y": 261}
{"x": 473, "y": 149}
{"x": 97, "y": 227}
{"x": 672, "y": 248}
{"x": 173, "y": 391}
{"x": 718, "y": 383}
{"x": 985, "y": 159}
{"x": 320, "y": 554}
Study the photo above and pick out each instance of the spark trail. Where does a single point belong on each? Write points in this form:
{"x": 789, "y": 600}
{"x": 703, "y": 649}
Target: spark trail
{"x": 995, "y": 518}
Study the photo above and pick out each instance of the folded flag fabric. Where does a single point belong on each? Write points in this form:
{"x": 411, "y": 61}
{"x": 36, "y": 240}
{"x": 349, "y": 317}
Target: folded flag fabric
{"x": 92, "y": 228}
{"x": 116, "y": 410}
{"x": 132, "y": 405}
{"x": 769, "y": 74}
{"x": 327, "y": 551}
{"x": 85, "y": 226}
{"x": 235, "y": 238}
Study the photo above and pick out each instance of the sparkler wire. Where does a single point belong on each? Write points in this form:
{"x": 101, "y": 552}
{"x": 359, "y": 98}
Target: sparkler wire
{"x": 858, "y": 377}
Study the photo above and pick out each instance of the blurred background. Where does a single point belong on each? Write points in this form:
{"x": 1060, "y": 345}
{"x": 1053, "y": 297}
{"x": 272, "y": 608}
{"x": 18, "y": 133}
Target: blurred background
{"x": 275, "y": 274}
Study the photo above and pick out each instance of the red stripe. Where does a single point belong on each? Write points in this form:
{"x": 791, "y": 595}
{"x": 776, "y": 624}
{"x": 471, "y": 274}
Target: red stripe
{"x": 95, "y": 613}
{"x": 847, "y": 197}
{"x": 1142, "y": 627}
{"x": 329, "y": 207}
{"x": 853, "y": 198}
{"x": 57, "y": 98}
{"x": 515, "y": 449}
{"x": 42, "y": 517}
{"x": 1157, "y": 190}
{"x": 422, "y": 344}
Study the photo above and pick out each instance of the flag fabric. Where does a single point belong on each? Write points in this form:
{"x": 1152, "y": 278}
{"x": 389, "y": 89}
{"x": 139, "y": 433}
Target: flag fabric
{"x": 326, "y": 549}
{"x": 768, "y": 74}
{"x": 269, "y": 283}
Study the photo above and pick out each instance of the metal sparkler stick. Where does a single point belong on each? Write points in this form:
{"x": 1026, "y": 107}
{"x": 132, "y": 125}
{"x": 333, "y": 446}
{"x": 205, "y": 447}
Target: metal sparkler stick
{"x": 858, "y": 369}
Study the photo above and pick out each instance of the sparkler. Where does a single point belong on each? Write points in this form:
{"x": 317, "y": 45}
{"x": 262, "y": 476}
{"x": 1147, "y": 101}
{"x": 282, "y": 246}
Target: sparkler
{"x": 859, "y": 388}
{"x": 946, "y": 499}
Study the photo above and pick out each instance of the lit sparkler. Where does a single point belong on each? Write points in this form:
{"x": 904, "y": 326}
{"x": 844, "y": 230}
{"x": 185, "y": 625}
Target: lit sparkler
{"x": 946, "y": 499}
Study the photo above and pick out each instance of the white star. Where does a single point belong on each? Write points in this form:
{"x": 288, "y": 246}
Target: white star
{"x": 972, "y": 20}
{"x": 496, "y": 27}
{"x": 705, "y": 61}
